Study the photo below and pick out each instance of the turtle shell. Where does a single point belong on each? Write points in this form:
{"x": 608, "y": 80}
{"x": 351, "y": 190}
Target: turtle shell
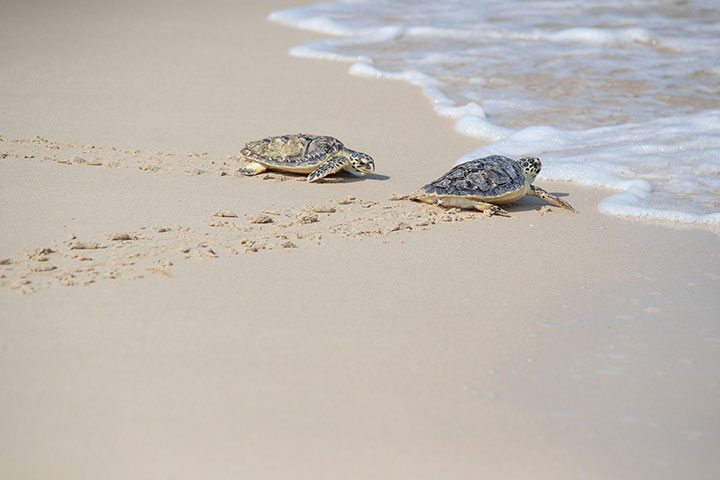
{"x": 294, "y": 151}
{"x": 487, "y": 178}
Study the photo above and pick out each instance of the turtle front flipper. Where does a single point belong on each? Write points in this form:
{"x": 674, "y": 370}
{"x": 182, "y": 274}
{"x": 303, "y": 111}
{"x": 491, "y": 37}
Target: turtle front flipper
{"x": 334, "y": 164}
{"x": 252, "y": 168}
{"x": 551, "y": 199}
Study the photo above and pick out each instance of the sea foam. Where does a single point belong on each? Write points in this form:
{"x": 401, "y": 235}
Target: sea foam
{"x": 606, "y": 93}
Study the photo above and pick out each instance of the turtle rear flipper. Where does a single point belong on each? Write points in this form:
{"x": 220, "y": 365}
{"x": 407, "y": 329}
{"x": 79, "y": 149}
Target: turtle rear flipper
{"x": 457, "y": 202}
{"x": 471, "y": 203}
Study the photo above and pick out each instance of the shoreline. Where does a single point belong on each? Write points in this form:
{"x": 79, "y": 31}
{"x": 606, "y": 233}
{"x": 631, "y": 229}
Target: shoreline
{"x": 352, "y": 338}
{"x": 654, "y": 161}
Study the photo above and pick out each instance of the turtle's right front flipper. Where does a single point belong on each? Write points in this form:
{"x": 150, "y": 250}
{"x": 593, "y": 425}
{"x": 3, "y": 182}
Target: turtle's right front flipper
{"x": 334, "y": 164}
{"x": 550, "y": 198}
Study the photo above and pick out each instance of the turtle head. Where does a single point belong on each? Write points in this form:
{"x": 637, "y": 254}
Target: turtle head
{"x": 360, "y": 163}
{"x": 530, "y": 167}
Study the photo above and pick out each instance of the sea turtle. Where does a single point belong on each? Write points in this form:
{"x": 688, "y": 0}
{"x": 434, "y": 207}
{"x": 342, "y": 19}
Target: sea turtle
{"x": 317, "y": 155}
{"x": 484, "y": 183}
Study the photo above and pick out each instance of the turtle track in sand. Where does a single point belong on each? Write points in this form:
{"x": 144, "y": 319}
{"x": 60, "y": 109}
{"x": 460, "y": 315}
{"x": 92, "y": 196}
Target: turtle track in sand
{"x": 149, "y": 249}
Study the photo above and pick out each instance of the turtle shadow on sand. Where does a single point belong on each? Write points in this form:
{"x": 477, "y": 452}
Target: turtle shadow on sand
{"x": 344, "y": 177}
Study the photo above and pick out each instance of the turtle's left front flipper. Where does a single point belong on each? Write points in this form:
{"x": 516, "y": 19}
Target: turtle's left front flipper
{"x": 551, "y": 199}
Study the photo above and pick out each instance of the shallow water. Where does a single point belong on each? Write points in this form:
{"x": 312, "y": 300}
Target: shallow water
{"x": 624, "y": 95}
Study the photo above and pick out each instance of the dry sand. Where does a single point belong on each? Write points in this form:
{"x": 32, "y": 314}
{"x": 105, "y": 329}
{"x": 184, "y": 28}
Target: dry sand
{"x": 162, "y": 317}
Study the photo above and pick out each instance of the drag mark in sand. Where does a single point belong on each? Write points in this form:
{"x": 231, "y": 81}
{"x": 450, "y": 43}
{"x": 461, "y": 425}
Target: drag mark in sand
{"x": 41, "y": 149}
{"x": 154, "y": 250}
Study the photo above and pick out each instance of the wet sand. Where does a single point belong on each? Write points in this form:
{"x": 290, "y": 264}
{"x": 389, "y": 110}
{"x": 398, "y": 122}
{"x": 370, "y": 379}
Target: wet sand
{"x": 162, "y": 316}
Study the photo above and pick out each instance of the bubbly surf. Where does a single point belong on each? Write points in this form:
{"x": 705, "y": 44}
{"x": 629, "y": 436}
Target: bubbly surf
{"x": 619, "y": 94}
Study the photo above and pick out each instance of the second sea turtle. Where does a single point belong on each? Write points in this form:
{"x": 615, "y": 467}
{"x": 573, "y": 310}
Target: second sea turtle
{"x": 318, "y": 156}
{"x": 485, "y": 183}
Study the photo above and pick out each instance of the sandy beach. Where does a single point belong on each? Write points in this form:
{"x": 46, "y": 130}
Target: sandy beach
{"x": 162, "y": 316}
